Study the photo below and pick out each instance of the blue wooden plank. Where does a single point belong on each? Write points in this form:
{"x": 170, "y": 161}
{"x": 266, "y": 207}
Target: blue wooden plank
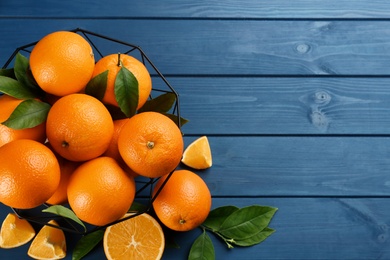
{"x": 280, "y": 106}
{"x": 306, "y": 228}
{"x": 298, "y": 166}
{"x": 199, "y": 9}
{"x": 234, "y": 47}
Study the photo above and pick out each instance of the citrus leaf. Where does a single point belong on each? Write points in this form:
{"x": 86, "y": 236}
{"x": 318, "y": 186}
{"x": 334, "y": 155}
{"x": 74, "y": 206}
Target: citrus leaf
{"x": 217, "y": 216}
{"x": 29, "y": 113}
{"x": 255, "y": 239}
{"x": 7, "y": 73}
{"x": 86, "y": 244}
{"x": 14, "y": 88}
{"x": 202, "y": 248}
{"x": 64, "y": 212}
{"x": 23, "y": 73}
{"x": 162, "y": 103}
{"x": 246, "y": 222}
{"x": 137, "y": 207}
{"x": 97, "y": 86}
{"x": 126, "y": 91}
{"x": 183, "y": 121}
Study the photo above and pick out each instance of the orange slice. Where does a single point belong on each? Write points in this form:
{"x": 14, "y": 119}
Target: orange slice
{"x": 15, "y": 231}
{"x": 140, "y": 237}
{"x": 198, "y": 154}
{"x": 49, "y": 243}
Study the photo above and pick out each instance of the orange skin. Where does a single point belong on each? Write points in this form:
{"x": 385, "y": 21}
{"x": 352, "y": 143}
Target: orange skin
{"x": 151, "y": 144}
{"x": 29, "y": 174}
{"x": 184, "y": 202}
{"x": 62, "y": 63}
{"x": 8, "y": 105}
{"x": 79, "y": 127}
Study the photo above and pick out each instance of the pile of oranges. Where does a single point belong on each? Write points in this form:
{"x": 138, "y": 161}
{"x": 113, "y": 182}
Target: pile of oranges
{"x": 81, "y": 157}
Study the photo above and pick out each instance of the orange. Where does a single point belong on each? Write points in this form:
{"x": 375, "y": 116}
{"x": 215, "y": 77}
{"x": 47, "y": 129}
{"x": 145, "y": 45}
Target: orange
{"x": 67, "y": 167}
{"x": 100, "y": 192}
{"x": 15, "y": 231}
{"x": 113, "y": 151}
{"x": 140, "y": 72}
{"x": 8, "y": 105}
{"x": 49, "y": 243}
{"x": 184, "y": 202}
{"x": 139, "y": 237}
{"x": 198, "y": 154}
{"x": 62, "y": 63}
{"x": 151, "y": 144}
{"x": 79, "y": 127}
{"x": 29, "y": 174}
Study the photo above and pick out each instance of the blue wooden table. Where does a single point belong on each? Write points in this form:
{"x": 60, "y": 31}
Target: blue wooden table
{"x": 293, "y": 95}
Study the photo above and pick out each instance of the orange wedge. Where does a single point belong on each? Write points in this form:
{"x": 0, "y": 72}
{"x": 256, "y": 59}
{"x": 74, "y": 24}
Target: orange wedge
{"x": 15, "y": 231}
{"x": 140, "y": 237}
{"x": 198, "y": 154}
{"x": 49, "y": 243}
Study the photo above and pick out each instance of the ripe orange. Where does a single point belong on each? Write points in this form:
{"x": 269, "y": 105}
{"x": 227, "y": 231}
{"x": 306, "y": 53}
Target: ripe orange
{"x": 113, "y": 151}
{"x": 184, "y": 202}
{"x": 29, "y": 174}
{"x": 100, "y": 192}
{"x": 62, "y": 63}
{"x": 139, "y": 237}
{"x": 67, "y": 167}
{"x": 8, "y": 105}
{"x": 49, "y": 243}
{"x": 110, "y": 63}
{"x": 151, "y": 144}
{"x": 79, "y": 127}
{"x": 198, "y": 154}
{"x": 15, "y": 232}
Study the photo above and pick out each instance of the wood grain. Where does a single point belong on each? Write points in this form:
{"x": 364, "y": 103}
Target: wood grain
{"x": 200, "y": 9}
{"x": 235, "y": 47}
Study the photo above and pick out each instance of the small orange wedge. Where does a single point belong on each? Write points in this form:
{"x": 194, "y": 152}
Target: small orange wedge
{"x": 49, "y": 243}
{"x": 140, "y": 237}
{"x": 198, "y": 154}
{"x": 15, "y": 231}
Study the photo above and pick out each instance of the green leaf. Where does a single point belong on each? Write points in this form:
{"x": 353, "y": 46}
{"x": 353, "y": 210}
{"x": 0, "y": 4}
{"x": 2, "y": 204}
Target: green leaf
{"x": 8, "y": 73}
{"x": 126, "y": 91}
{"x": 217, "y": 216}
{"x": 29, "y": 113}
{"x": 138, "y": 207}
{"x": 255, "y": 239}
{"x": 64, "y": 212}
{"x": 162, "y": 103}
{"x": 97, "y": 86}
{"x": 202, "y": 248}
{"x": 183, "y": 121}
{"x": 86, "y": 244}
{"x": 15, "y": 89}
{"x": 246, "y": 222}
{"x": 23, "y": 73}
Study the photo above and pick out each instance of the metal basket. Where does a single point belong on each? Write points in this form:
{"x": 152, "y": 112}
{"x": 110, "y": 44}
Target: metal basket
{"x": 103, "y": 45}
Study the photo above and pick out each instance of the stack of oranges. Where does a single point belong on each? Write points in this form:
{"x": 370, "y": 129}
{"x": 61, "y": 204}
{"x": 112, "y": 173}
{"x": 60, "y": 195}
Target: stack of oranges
{"x": 82, "y": 157}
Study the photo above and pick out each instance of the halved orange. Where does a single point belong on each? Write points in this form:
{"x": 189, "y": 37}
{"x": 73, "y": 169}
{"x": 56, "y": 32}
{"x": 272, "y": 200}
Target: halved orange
{"x": 198, "y": 154}
{"x": 49, "y": 243}
{"x": 15, "y": 231}
{"x": 139, "y": 237}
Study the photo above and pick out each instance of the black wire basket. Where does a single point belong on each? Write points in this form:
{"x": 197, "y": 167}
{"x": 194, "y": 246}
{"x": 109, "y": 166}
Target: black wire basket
{"x": 103, "y": 45}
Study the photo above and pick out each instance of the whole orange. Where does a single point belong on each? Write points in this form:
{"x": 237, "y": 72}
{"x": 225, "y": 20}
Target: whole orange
{"x": 79, "y": 127}
{"x": 8, "y": 105}
{"x": 151, "y": 144}
{"x": 113, "y": 64}
{"x": 100, "y": 192}
{"x": 29, "y": 173}
{"x": 184, "y": 202}
{"x": 62, "y": 63}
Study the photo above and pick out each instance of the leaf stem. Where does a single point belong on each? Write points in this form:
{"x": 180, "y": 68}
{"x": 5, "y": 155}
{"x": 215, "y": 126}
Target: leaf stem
{"x": 227, "y": 241}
